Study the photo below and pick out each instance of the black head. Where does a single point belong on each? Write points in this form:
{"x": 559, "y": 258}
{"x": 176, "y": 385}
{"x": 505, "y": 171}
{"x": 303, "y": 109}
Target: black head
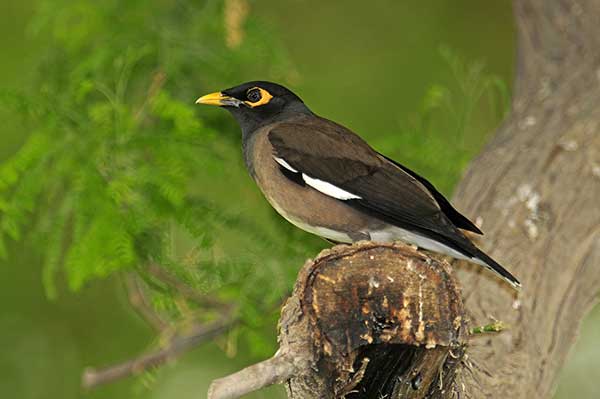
{"x": 257, "y": 103}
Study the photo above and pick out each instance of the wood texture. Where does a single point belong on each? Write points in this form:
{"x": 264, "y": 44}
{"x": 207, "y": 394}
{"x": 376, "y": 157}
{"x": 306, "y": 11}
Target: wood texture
{"x": 365, "y": 321}
{"x": 536, "y": 189}
{"x": 374, "y": 320}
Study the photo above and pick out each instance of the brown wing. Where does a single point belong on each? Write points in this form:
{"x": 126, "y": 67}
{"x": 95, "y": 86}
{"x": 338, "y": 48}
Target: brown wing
{"x": 458, "y": 219}
{"x": 331, "y": 153}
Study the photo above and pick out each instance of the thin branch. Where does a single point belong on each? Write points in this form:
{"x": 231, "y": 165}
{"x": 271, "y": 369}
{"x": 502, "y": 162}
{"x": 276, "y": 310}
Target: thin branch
{"x": 178, "y": 345}
{"x": 139, "y": 301}
{"x": 182, "y": 288}
{"x": 275, "y": 370}
{"x": 158, "y": 81}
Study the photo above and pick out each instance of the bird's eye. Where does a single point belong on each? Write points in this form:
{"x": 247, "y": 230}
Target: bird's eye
{"x": 254, "y": 95}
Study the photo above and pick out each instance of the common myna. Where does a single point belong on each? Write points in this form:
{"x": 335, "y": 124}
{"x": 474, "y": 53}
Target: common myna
{"x": 326, "y": 180}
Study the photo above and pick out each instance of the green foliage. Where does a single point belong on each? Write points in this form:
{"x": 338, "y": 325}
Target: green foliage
{"x": 119, "y": 171}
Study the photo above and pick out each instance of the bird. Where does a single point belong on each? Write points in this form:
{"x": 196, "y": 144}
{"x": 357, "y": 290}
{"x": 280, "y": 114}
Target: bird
{"x": 326, "y": 180}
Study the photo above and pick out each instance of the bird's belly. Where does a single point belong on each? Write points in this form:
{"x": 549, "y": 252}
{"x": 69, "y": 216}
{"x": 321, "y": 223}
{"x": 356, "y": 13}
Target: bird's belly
{"x": 321, "y": 231}
{"x": 373, "y": 231}
{"x": 319, "y": 214}
{"x": 394, "y": 233}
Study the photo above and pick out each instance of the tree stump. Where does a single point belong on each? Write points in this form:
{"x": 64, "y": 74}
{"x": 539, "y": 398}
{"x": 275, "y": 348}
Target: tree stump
{"x": 365, "y": 321}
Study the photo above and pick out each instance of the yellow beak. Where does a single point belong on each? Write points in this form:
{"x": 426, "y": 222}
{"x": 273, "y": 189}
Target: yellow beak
{"x": 219, "y": 99}
{"x": 212, "y": 99}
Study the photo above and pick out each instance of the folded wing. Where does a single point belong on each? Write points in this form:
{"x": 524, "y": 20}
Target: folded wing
{"x": 340, "y": 164}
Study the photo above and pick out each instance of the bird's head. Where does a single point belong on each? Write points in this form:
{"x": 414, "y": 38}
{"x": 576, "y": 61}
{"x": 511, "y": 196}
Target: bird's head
{"x": 254, "y": 104}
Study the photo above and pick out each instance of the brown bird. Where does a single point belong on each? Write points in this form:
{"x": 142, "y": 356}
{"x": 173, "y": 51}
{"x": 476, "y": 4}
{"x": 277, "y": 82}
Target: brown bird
{"x": 328, "y": 181}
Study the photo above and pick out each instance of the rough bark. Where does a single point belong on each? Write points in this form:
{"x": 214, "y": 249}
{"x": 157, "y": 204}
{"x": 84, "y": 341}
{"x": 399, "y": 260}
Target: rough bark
{"x": 365, "y": 321}
{"x": 536, "y": 190}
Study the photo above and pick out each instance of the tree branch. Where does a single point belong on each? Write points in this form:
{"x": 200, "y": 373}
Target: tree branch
{"x": 275, "y": 370}
{"x": 182, "y": 288}
{"x": 139, "y": 302}
{"x": 176, "y": 346}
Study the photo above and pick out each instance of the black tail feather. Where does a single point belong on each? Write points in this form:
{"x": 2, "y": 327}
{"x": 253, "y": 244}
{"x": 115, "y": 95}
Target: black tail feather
{"x": 497, "y": 268}
{"x": 462, "y": 244}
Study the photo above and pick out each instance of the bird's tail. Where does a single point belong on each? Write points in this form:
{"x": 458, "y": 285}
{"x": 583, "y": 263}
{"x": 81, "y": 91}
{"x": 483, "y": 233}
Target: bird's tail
{"x": 461, "y": 247}
{"x": 484, "y": 260}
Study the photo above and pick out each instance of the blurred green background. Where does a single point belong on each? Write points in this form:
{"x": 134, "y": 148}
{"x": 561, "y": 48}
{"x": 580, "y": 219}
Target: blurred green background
{"x": 377, "y": 69}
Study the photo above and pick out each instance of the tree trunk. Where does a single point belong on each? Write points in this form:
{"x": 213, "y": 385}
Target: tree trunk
{"x": 536, "y": 190}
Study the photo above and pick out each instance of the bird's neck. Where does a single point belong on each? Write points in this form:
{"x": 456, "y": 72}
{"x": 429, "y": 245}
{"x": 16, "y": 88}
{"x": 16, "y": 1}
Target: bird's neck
{"x": 250, "y": 122}
{"x": 251, "y": 129}
{"x": 248, "y": 142}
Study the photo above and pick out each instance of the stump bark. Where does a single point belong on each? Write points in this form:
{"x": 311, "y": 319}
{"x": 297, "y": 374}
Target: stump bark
{"x": 366, "y": 321}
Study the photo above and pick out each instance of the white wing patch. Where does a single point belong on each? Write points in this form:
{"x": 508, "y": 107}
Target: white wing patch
{"x": 319, "y": 185}
{"x": 283, "y": 163}
{"x": 328, "y": 188}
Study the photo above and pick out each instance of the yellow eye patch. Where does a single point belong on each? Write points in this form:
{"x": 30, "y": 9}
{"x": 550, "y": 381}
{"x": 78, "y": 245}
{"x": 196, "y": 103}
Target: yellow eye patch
{"x": 257, "y": 97}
